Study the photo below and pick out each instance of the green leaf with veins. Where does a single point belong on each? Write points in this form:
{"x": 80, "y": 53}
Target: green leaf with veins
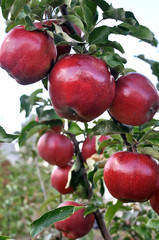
{"x": 112, "y": 211}
{"x": 5, "y": 137}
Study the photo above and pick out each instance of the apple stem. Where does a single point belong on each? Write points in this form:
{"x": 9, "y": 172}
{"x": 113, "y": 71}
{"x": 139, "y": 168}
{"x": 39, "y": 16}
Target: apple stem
{"x": 128, "y": 145}
{"x": 101, "y": 223}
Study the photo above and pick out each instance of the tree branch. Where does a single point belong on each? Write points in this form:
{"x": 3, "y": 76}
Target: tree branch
{"x": 103, "y": 229}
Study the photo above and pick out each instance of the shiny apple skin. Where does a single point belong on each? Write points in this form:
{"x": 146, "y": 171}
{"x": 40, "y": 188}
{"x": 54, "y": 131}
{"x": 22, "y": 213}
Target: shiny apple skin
{"x": 27, "y": 55}
{"x": 81, "y": 87}
{"x": 130, "y": 176}
{"x": 75, "y": 226}
{"x": 61, "y": 49}
{"x": 55, "y": 148}
{"x": 89, "y": 146}
{"x": 154, "y": 201}
{"x": 59, "y": 177}
{"x": 136, "y": 100}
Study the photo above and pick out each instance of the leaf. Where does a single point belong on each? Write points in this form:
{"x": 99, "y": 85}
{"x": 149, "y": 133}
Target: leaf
{"x": 99, "y": 35}
{"x": 47, "y": 115}
{"x": 142, "y": 231}
{"x": 17, "y": 7}
{"x": 90, "y": 209}
{"x": 108, "y": 127}
{"x": 27, "y": 102}
{"x": 5, "y": 137}
{"x": 115, "y": 45}
{"x": 50, "y": 218}
{"x": 107, "y": 143}
{"x": 153, "y": 224}
{"x": 113, "y": 60}
{"x": 102, "y": 4}
{"x": 29, "y": 130}
{"x": 6, "y": 6}
{"x": 112, "y": 211}
{"x": 77, "y": 21}
{"x": 75, "y": 129}
{"x": 5, "y": 238}
{"x": 150, "y": 151}
{"x": 98, "y": 175}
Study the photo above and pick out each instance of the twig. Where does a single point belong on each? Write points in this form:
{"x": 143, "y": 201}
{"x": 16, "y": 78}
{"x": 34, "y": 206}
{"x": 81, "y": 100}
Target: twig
{"x": 103, "y": 229}
{"x": 41, "y": 182}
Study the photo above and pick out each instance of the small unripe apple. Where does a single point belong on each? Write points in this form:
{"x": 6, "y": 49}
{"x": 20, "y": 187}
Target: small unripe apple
{"x": 81, "y": 87}
{"x": 61, "y": 49}
{"x": 27, "y": 55}
{"x": 55, "y": 148}
{"x": 131, "y": 176}
{"x": 59, "y": 178}
{"x": 89, "y": 146}
{"x": 75, "y": 226}
{"x": 136, "y": 100}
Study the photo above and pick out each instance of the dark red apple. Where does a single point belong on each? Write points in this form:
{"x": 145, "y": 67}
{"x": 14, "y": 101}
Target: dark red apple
{"x": 61, "y": 49}
{"x": 131, "y": 176}
{"x": 27, "y": 55}
{"x": 89, "y": 146}
{"x": 59, "y": 178}
{"x": 75, "y": 226}
{"x": 55, "y": 148}
{"x": 136, "y": 100}
{"x": 81, "y": 87}
{"x": 154, "y": 200}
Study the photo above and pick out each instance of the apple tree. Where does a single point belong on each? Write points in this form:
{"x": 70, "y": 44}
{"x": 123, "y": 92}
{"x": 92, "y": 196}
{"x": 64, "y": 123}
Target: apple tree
{"x": 68, "y": 46}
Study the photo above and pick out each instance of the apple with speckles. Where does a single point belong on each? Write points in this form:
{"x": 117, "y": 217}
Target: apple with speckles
{"x": 130, "y": 176}
{"x": 81, "y": 87}
{"x": 136, "y": 100}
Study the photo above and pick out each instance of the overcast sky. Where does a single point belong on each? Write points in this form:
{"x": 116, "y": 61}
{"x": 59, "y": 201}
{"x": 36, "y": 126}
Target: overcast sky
{"x": 146, "y": 13}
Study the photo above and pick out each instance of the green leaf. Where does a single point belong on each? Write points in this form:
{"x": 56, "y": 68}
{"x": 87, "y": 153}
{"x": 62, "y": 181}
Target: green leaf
{"x": 17, "y": 7}
{"x": 75, "y": 129}
{"x": 5, "y": 238}
{"x": 153, "y": 224}
{"x": 150, "y": 151}
{"x": 27, "y": 102}
{"x": 115, "y": 45}
{"x": 112, "y": 211}
{"x": 108, "y": 142}
{"x": 98, "y": 175}
{"x": 5, "y": 137}
{"x": 102, "y": 4}
{"x": 29, "y": 130}
{"x": 6, "y": 6}
{"x": 90, "y": 209}
{"x": 142, "y": 231}
{"x": 50, "y": 218}
{"x": 77, "y": 21}
{"x": 99, "y": 35}
{"x": 108, "y": 127}
{"x": 47, "y": 115}
{"x": 114, "y": 61}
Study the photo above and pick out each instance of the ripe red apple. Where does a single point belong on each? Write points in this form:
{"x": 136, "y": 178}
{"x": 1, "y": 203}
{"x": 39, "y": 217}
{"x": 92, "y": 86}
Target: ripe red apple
{"x": 89, "y": 146}
{"x": 81, "y": 87}
{"x": 61, "y": 49}
{"x": 75, "y": 226}
{"x": 55, "y": 148}
{"x": 27, "y": 55}
{"x": 59, "y": 178}
{"x": 131, "y": 176}
{"x": 154, "y": 201}
{"x": 136, "y": 100}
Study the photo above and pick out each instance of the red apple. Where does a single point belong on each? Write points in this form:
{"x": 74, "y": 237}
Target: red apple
{"x": 61, "y": 49}
{"x": 55, "y": 148}
{"x": 75, "y": 226}
{"x": 59, "y": 178}
{"x": 81, "y": 87}
{"x": 154, "y": 201}
{"x": 89, "y": 146}
{"x": 131, "y": 176}
{"x": 27, "y": 55}
{"x": 136, "y": 100}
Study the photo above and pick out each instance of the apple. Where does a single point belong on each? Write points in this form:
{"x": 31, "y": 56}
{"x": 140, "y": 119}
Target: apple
{"x": 75, "y": 226}
{"x": 59, "y": 178}
{"x": 136, "y": 100}
{"x": 61, "y": 49}
{"x": 131, "y": 176}
{"x": 89, "y": 146}
{"x": 81, "y": 87}
{"x": 28, "y": 56}
{"x": 55, "y": 148}
{"x": 57, "y": 125}
{"x": 154, "y": 200}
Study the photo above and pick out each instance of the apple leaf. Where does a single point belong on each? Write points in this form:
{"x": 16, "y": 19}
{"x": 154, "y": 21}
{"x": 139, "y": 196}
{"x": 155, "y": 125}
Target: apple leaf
{"x": 75, "y": 129}
{"x": 17, "y": 7}
{"x": 6, "y": 6}
{"x": 99, "y": 35}
{"x": 114, "y": 61}
{"x": 5, "y": 238}
{"x": 108, "y": 142}
{"x": 5, "y": 137}
{"x": 97, "y": 175}
{"x": 142, "y": 231}
{"x": 47, "y": 115}
{"x": 76, "y": 20}
{"x": 150, "y": 151}
{"x": 102, "y": 4}
{"x": 27, "y": 102}
{"x": 153, "y": 224}
{"x": 111, "y": 212}
{"x": 115, "y": 45}
{"x": 108, "y": 127}
{"x": 90, "y": 209}
{"x": 50, "y": 218}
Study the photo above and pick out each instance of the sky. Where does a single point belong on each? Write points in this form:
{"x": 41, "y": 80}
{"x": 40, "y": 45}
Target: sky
{"x": 146, "y": 13}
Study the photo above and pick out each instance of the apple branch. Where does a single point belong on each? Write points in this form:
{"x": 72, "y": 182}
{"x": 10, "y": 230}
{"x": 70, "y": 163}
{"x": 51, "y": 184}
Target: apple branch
{"x": 103, "y": 229}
